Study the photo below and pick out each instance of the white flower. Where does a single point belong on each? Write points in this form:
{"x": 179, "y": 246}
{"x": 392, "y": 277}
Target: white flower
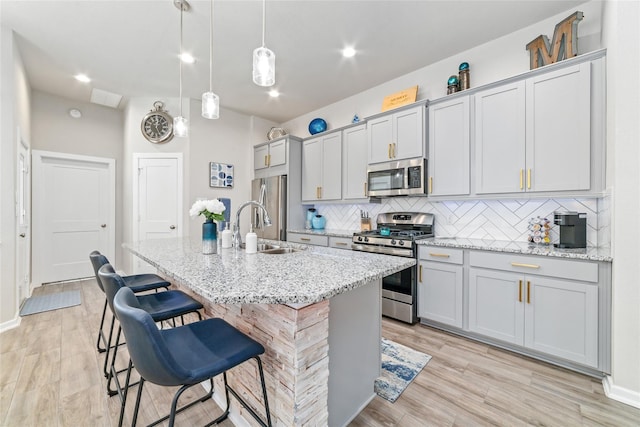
{"x": 211, "y": 209}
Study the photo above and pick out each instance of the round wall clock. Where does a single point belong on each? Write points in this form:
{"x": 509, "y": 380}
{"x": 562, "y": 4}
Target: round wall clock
{"x": 157, "y": 125}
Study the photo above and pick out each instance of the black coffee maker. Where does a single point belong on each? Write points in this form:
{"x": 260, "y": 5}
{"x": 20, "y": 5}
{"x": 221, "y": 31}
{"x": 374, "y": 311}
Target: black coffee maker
{"x": 573, "y": 229}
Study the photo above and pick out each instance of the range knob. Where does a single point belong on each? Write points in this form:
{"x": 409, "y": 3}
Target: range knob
{"x": 359, "y": 238}
{"x": 393, "y": 241}
{"x": 366, "y": 239}
{"x": 401, "y": 242}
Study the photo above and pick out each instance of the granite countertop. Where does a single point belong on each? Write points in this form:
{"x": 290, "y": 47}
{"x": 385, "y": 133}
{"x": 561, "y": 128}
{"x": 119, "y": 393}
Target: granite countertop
{"x": 589, "y": 253}
{"x": 311, "y": 275}
{"x": 332, "y": 232}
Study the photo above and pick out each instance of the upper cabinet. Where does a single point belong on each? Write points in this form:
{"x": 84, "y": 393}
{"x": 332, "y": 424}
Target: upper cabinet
{"x": 448, "y": 165}
{"x": 272, "y": 158}
{"x": 354, "y": 161}
{"x": 322, "y": 168}
{"x": 535, "y": 135}
{"x": 396, "y": 136}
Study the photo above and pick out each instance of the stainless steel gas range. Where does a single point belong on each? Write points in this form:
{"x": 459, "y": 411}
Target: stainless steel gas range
{"x": 397, "y": 234}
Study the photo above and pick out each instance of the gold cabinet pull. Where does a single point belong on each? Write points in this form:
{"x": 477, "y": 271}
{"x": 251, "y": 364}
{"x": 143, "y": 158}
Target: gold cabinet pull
{"x": 528, "y": 292}
{"x": 394, "y": 150}
{"x": 420, "y": 274}
{"x": 320, "y": 192}
{"x": 365, "y": 189}
{"x": 389, "y": 151}
{"x": 340, "y": 244}
{"x": 269, "y": 160}
{"x": 265, "y": 160}
{"x": 317, "y": 192}
{"x": 528, "y": 179}
{"x": 438, "y": 255}
{"x": 305, "y": 239}
{"x": 519, "y": 290}
{"x": 430, "y": 184}
{"x": 521, "y": 179}
{"x": 518, "y": 264}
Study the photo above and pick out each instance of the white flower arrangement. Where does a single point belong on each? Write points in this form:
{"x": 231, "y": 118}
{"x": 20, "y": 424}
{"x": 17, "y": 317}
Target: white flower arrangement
{"x": 211, "y": 209}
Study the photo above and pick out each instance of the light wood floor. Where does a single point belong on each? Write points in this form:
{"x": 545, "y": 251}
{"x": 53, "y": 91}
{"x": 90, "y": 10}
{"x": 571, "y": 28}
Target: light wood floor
{"x": 51, "y": 375}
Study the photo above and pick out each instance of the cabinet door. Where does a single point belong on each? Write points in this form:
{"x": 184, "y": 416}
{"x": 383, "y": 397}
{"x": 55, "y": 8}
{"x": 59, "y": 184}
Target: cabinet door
{"x": 380, "y": 136}
{"x": 278, "y": 153}
{"x": 311, "y": 168}
{"x": 495, "y": 304}
{"x": 440, "y": 292}
{"x": 331, "y": 184}
{"x": 561, "y": 319}
{"x": 408, "y": 133}
{"x": 500, "y": 139}
{"x": 448, "y": 164}
{"x": 354, "y": 160}
{"x": 558, "y": 130}
{"x": 261, "y": 157}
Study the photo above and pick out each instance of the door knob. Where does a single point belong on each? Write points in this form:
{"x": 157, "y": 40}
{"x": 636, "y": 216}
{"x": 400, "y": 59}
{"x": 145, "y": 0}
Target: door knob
{"x": 22, "y": 234}
{"x": 103, "y": 225}
{"x": 173, "y": 227}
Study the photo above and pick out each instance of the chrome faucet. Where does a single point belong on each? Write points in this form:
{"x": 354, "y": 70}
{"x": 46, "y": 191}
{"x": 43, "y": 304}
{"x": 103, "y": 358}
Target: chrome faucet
{"x": 237, "y": 237}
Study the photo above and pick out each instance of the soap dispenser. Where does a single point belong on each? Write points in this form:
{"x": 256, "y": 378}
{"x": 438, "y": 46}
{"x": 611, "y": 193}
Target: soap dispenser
{"x": 251, "y": 239}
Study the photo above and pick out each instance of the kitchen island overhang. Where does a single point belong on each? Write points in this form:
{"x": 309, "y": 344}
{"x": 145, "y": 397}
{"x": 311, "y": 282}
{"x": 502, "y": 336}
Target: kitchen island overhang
{"x": 316, "y": 311}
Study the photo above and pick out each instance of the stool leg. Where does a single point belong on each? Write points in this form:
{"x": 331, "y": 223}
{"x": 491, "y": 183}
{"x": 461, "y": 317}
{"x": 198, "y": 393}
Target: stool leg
{"x": 100, "y": 333}
{"x": 106, "y": 356}
{"x": 123, "y": 401}
{"x": 264, "y": 391}
{"x": 112, "y": 370}
{"x": 137, "y": 407}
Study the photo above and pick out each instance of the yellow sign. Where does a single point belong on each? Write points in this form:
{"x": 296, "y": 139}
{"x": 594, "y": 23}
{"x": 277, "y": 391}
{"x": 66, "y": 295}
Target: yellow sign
{"x": 398, "y": 99}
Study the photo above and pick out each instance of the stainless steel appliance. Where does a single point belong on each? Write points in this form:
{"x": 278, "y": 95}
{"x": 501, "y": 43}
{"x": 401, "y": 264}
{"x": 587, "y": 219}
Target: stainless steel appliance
{"x": 272, "y": 194}
{"x": 399, "y": 178}
{"x": 397, "y": 234}
{"x": 573, "y": 229}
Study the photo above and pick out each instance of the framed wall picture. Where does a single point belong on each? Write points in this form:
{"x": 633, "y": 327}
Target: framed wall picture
{"x": 220, "y": 175}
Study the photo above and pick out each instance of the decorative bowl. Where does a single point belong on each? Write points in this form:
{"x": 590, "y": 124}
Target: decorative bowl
{"x": 317, "y": 125}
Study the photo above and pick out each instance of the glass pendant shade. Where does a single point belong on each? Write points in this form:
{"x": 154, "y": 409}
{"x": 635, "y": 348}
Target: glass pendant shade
{"x": 210, "y": 105}
{"x": 264, "y": 67}
{"x": 180, "y": 127}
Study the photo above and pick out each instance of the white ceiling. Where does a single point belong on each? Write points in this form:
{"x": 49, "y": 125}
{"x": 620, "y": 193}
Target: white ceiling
{"x": 131, "y": 47}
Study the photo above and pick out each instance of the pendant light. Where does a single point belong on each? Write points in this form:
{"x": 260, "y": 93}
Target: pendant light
{"x": 180, "y": 123}
{"x": 264, "y": 60}
{"x": 210, "y": 101}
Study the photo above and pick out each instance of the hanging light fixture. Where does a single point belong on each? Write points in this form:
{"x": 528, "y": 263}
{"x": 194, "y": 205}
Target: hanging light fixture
{"x": 264, "y": 60}
{"x": 180, "y": 123}
{"x": 210, "y": 101}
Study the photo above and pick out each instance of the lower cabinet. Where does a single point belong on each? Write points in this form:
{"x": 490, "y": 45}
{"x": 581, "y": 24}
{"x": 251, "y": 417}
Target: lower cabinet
{"x": 440, "y": 280}
{"x": 308, "y": 239}
{"x": 550, "y": 315}
{"x": 340, "y": 242}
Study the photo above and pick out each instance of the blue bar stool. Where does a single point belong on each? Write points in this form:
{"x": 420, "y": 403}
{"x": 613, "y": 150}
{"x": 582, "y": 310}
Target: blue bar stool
{"x": 184, "y": 356}
{"x": 160, "y": 306}
{"x": 137, "y": 283}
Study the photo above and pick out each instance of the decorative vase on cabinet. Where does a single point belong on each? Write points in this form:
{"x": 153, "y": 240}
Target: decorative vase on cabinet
{"x": 209, "y": 237}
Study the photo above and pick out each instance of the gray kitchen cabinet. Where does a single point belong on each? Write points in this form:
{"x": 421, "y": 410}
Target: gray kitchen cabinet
{"x": 280, "y": 156}
{"x": 340, "y": 242}
{"x": 322, "y": 168}
{"x": 354, "y": 159}
{"x": 396, "y": 136}
{"x": 308, "y": 239}
{"x": 440, "y": 285}
{"x": 449, "y": 156}
{"x": 271, "y": 154}
{"x": 533, "y": 302}
{"x": 534, "y": 135}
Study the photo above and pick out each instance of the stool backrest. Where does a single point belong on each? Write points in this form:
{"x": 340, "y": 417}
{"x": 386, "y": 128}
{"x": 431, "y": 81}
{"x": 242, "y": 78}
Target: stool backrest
{"x": 97, "y": 261}
{"x": 111, "y": 283}
{"x": 147, "y": 348}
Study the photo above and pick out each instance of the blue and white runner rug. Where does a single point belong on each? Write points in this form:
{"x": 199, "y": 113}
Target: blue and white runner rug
{"x": 400, "y": 365}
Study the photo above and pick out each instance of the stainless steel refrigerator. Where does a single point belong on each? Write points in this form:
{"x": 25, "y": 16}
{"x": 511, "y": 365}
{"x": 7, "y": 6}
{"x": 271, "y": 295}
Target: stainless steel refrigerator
{"x": 272, "y": 193}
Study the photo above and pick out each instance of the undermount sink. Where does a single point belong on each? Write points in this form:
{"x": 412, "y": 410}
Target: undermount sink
{"x": 279, "y": 251}
{"x": 262, "y": 247}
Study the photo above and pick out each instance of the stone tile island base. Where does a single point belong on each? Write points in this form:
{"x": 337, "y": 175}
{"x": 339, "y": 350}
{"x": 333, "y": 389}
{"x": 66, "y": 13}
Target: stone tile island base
{"x": 320, "y": 363}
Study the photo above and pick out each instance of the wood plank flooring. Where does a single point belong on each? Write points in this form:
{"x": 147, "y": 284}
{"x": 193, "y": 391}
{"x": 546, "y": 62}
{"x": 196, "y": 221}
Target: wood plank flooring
{"x": 51, "y": 375}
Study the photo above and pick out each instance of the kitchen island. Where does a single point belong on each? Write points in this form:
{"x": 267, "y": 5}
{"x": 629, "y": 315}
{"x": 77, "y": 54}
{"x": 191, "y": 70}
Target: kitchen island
{"x": 316, "y": 311}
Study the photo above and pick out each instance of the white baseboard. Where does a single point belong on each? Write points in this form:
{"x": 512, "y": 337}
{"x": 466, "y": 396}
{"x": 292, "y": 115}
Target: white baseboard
{"x": 621, "y": 394}
{"x": 10, "y": 324}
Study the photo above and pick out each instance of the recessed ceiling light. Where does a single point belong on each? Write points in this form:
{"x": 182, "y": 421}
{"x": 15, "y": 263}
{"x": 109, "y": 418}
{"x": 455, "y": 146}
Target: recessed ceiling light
{"x": 348, "y": 52}
{"x": 274, "y": 93}
{"x": 82, "y": 78}
{"x": 187, "y": 58}
{"x": 75, "y": 113}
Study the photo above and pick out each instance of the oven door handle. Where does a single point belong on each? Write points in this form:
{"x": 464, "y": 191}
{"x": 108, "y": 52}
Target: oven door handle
{"x": 407, "y": 253}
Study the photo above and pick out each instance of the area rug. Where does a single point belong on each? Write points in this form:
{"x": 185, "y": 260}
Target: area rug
{"x": 49, "y": 302}
{"x": 400, "y": 365}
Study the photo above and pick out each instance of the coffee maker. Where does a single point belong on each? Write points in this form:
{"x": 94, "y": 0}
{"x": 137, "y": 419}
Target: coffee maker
{"x": 573, "y": 229}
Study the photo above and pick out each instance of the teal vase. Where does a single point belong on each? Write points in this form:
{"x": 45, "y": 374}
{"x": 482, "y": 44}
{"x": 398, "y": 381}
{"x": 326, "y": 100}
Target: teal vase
{"x": 209, "y": 237}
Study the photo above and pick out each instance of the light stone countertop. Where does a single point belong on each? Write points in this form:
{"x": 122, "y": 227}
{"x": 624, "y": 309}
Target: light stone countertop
{"x": 589, "y": 253}
{"x": 311, "y": 275}
{"x": 331, "y": 232}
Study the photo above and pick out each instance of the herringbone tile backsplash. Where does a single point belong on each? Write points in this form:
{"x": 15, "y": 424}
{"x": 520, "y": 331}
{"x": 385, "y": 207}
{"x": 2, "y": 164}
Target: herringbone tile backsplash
{"x": 480, "y": 219}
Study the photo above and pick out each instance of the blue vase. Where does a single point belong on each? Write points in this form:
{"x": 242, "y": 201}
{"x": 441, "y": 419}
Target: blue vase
{"x": 209, "y": 237}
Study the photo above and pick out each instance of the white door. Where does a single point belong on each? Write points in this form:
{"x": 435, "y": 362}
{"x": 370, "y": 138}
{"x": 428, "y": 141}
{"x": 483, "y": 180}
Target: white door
{"x": 23, "y": 260}
{"x": 73, "y": 214}
{"x": 157, "y": 199}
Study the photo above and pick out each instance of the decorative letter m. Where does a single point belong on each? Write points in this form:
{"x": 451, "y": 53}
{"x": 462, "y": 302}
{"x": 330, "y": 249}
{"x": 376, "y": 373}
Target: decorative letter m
{"x": 565, "y": 43}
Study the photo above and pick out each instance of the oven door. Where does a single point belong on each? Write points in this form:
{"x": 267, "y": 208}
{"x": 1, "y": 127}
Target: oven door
{"x": 400, "y": 286}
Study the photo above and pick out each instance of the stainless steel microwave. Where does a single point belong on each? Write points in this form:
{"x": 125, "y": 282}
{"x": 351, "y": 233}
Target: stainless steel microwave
{"x": 400, "y": 178}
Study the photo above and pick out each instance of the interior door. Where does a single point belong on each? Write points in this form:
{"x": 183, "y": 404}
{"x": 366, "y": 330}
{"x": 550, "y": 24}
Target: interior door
{"x": 158, "y": 199}
{"x": 73, "y": 214}
{"x": 23, "y": 260}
